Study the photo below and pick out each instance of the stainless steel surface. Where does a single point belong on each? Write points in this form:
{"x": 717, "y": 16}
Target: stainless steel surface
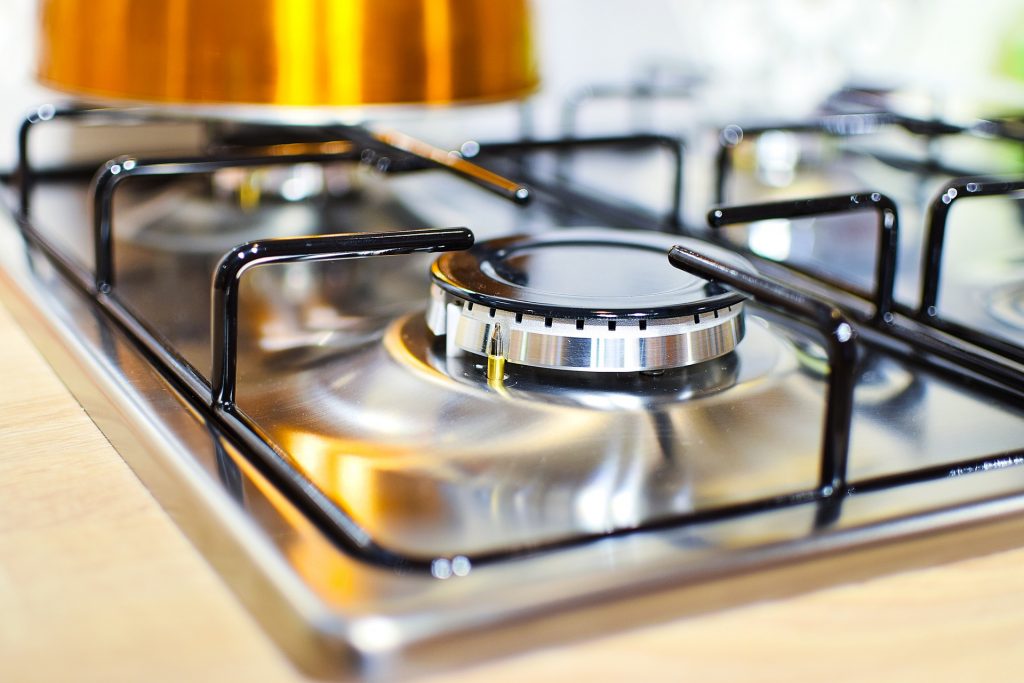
{"x": 331, "y": 612}
{"x": 594, "y": 346}
{"x": 340, "y": 371}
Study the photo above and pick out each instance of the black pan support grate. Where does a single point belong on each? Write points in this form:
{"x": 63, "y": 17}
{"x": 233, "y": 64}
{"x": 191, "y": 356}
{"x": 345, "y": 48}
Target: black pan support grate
{"x": 921, "y": 336}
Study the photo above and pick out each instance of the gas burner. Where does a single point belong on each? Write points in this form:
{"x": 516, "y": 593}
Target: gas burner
{"x": 766, "y": 355}
{"x": 592, "y": 300}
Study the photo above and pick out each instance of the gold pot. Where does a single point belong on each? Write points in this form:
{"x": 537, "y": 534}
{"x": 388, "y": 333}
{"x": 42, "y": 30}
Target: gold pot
{"x": 288, "y": 52}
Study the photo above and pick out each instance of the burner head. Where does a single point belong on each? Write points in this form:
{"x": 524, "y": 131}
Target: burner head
{"x": 591, "y": 300}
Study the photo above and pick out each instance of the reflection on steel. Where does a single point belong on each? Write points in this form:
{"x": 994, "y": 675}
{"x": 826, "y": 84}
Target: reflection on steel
{"x": 26, "y": 173}
{"x": 938, "y": 214}
{"x": 888, "y": 227}
{"x": 110, "y": 176}
{"x": 375, "y": 475}
{"x": 924, "y": 342}
{"x": 490, "y": 180}
{"x": 386, "y": 151}
{"x": 675, "y": 146}
{"x": 598, "y": 345}
{"x": 840, "y": 340}
{"x": 853, "y": 124}
{"x": 379, "y": 150}
{"x": 931, "y": 267}
{"x": 227, "y": 276}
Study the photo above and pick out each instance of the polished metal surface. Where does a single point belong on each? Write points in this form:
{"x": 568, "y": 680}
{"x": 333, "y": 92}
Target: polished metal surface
{"x": 433, "y": 459}
{"x": 299, "y": 53}
{"x": 333, "y": 613}
{"x": 598, "y": 391}
{"x": 595, "y": 345}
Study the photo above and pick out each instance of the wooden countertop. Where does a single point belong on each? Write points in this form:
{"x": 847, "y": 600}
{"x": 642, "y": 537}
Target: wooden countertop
{"x": 97, "y": 584}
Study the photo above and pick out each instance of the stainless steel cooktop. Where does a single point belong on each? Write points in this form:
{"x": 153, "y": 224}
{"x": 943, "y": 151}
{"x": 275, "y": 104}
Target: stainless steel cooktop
{"x": 398, "y": 457}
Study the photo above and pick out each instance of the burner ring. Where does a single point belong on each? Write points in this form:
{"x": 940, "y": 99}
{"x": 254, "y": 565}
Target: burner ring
{"x": 584, "y": 300}
{"x": 556, "y": 274}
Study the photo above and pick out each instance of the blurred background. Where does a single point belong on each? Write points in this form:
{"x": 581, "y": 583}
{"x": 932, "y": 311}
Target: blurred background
{"x": 735, "y": 59}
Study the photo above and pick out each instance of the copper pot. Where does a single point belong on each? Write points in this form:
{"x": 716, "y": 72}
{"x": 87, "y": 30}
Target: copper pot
{"x": 288, "y": 52}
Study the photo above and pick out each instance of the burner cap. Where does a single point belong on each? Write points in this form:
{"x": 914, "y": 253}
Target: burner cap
{"x": 579, "y": 273}
{"x": 593, "y": 300}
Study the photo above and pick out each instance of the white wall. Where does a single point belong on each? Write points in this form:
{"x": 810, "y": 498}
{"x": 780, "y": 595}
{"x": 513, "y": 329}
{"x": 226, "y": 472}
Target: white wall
{"x": 789, "y": 51}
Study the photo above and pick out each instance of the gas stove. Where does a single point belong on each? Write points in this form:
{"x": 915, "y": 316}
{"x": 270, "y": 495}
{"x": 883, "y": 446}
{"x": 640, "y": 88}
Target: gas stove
{"x": 592, "y": 402}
